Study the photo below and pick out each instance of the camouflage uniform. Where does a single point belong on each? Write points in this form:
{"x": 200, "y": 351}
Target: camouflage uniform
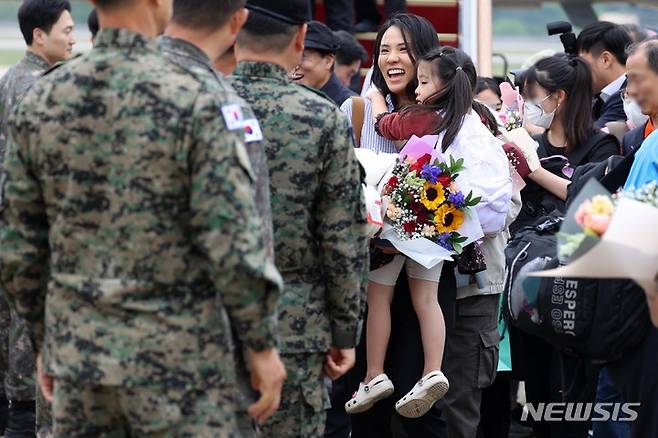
{"x": 195, "y": 61}
{"x": 319, "y": 235}
{"x": 130, "y": 205}
{"x": 17, "y": 358}
{"x": 17, "y": 361}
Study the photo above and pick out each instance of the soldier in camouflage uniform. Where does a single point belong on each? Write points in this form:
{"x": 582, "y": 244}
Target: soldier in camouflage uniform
{"x": 194, "y": 24}
{"x": 130, "y": 206}
{"x": 48, "y": 31}
{"x": 319, "y": 234}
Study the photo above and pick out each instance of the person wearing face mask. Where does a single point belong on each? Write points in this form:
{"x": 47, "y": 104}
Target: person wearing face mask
{"x": 634, "y": 115}
{"x": 641, "y": 94}
{"x": 557, "y": 91}
{"x": 603, "y": 45}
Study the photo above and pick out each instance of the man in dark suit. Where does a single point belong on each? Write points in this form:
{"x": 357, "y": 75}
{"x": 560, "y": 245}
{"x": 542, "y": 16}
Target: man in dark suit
{"x": 603, "y": 45}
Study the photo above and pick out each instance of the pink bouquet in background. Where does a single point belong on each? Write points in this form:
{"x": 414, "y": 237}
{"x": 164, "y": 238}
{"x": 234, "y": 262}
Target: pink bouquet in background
{"x": 586, "y": 221}
{"x": 512, "y": 112}
{"x": 595, "y": 214}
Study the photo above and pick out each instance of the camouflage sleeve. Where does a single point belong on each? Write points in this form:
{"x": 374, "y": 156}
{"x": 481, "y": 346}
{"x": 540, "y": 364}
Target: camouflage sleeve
{"x": 342, "y": 232}
{"x": 23, "y": 232}
{"x": 227, "y": 228}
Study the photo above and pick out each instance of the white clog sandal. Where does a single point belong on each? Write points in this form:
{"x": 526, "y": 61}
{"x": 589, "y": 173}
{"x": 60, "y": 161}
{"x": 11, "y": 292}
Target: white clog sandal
{"x": 423, "y": 395}
{"x": 369, "y": 393}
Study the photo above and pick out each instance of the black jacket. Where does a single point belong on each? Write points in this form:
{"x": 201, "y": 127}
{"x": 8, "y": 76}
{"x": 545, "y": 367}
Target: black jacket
{"x": 633, "y": 139}
{"x": 537, "y": 201}
{"x": 336, "y": 90}
{"x": 612, "y": 111}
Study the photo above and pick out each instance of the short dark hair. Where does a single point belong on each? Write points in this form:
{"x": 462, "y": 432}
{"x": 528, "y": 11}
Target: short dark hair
{"x": 650, "y": 48}
{"x": 205, "y": 14}
{"x": 483, "y": 84}
{"x": 420, "y": 37}
{"x": 40, "y": 14}
{"x": 603, "y": 35}
{"x": 573, "y": 75}
{"x": 263, "y": 33}
{"x": 92, "y": 22}
{"x": 350, "y": 49}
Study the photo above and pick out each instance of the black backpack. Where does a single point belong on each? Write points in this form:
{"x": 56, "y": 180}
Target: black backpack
{"x": 599, "y": 320}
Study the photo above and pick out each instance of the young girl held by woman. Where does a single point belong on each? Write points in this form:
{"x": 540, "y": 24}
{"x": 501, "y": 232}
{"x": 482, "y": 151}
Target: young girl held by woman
{"x": 446, "y": 79}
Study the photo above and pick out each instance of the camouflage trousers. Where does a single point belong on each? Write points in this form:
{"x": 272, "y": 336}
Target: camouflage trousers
{"x": 85, "y": 410}
{"x": 17, "y": 367}
{"x": 17, "y": 362}
{"x": 304, "y": 401}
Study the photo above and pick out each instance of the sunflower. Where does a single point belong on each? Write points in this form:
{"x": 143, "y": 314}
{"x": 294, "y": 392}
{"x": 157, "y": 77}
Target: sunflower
{"x": 448, "y": 219}
{"x": 432, "y": 196}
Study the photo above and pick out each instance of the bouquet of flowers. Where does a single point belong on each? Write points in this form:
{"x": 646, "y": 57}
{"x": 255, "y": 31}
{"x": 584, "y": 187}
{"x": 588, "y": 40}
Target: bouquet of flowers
{"x": 424, "y": 201}
{"x": 512, "y": 112}
{"x": 605, "y": 236}
{"x": 647, "y": 194}
{"x": 591, "y": 215}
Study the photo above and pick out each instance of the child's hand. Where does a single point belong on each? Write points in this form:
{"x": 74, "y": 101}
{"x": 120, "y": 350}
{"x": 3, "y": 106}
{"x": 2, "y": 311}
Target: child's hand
{"x": 378, "y": 102}
{"x": 338, "y": 362}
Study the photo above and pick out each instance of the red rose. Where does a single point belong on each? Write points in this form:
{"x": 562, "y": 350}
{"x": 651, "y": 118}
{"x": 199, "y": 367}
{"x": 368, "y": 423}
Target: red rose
{"x": 425, "y": 159}
{"x": 393, "y": 181}
{"x": 422, "y": 161}
{"x": 445, "y": 180}
{"x": 409, "y": 227}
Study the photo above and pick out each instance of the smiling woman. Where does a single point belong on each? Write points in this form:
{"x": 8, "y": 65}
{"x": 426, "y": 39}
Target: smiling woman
{"x": 401, "y": 41}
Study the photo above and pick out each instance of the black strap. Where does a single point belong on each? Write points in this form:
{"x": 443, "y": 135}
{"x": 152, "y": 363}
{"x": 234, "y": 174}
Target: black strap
{"x": 617, "y": 177}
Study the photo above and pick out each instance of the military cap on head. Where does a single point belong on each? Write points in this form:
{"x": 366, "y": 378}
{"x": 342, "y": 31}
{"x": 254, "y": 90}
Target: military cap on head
{"x": 288, "y": 11}
{"x": 320, "y": 37}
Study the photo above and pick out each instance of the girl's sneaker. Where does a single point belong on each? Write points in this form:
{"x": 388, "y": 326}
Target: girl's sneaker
{"x": 369, "y": 393}
{"x": 423, "y": 395}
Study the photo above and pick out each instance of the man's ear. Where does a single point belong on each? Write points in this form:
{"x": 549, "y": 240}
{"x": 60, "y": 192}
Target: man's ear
{"x": 329, "y": 61}
{"x": 38, "y": 37}
{"x": 300, "y": 36}
{"x": 238, "y": 20}
{"x": 607, "y": 59}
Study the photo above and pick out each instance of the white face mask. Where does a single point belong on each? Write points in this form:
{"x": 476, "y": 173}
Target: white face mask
{"x": 534, "y": 114}
{"x": 634, "y": 113}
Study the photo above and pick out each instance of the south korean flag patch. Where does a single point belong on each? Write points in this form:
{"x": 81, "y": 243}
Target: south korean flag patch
{"x": 252, "y": 131}
{"x": 233, "y": 117}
